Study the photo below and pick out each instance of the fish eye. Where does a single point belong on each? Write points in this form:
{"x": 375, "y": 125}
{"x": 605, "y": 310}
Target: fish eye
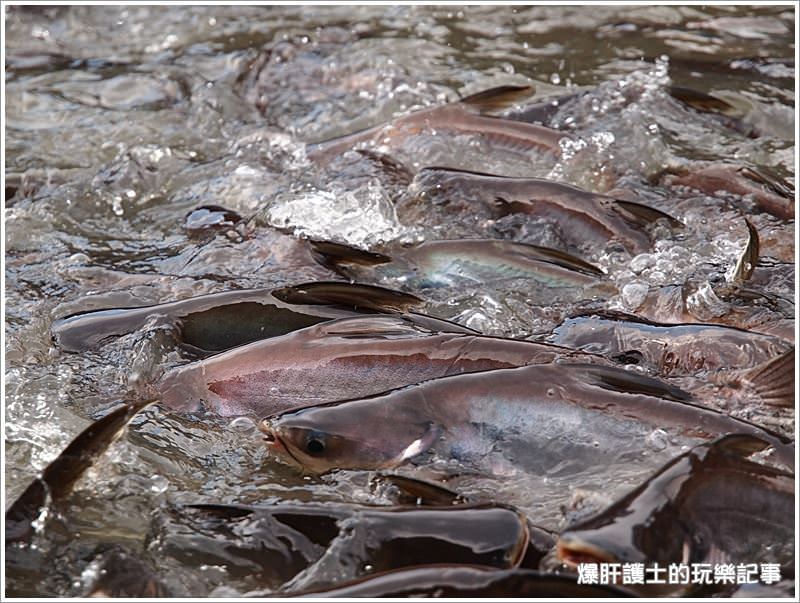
{"x": 315, "y": 445}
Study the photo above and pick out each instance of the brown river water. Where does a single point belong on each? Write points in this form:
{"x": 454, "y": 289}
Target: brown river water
{"x": 121, "y": 120}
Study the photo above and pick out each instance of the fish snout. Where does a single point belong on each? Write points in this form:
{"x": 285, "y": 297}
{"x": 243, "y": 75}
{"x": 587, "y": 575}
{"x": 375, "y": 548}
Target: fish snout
{"x": 574, "y": 551}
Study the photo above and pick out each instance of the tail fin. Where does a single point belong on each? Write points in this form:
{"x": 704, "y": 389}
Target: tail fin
{"x": 749, "y": 258}
{"x": 773, "y": 381}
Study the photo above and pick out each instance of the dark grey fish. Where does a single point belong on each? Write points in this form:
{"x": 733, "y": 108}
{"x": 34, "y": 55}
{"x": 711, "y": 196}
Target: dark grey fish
{"x": 709, "y": 505}
{"x": 502, "y": 418}
{"x": 322, "y": 544}
{"x": 470, "y": 581}
{"x": 220, "y": 321}
{"x": 120, "y": 573}
{"x": 57, "y": 479}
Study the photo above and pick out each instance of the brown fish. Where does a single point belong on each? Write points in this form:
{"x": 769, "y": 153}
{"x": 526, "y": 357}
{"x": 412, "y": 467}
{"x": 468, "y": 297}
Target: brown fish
{"x": 339, "y": 359}
{"x": 583, "y": 218}
{"x": 769, "y": 194}
{"x": 461, "y": 117}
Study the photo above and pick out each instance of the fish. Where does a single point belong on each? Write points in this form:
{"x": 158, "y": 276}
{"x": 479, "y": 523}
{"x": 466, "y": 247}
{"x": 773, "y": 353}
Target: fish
{"x": 516, "y": 416}
{"x": 465, "y": 116}
{"x": 337, "y": 359}
{"x": 55, "y": 482}
{"x": 300, "y": 545}
{"x": 120, "y": 573}
{"x": 449, "y": 263}
{"x": 709, "y": 505}
{"x": 720, "y": 110}
{"x": 669, "y": 349}
{"x": 207, "y": 324}
{"x": 465, "y": 581}
{"x": 770, "y": 193}
{"x": 584, "y": 219}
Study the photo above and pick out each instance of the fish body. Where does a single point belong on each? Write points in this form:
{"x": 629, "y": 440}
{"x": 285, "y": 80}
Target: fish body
{"x": 672, "y": 350}
{"x": 340, "y": 359}
{"x": 583, "y": 218}
{"x": 468, "y": 581}
{"x": 218, "y": 321}
{"x": 303, "y": 545}
{"x": 709, "y": 505}
{"x": 769, "y": 194}
{"x": 448, "y": 263}
{"x": 461, "y": 117}
{"x": 530, "y": 418}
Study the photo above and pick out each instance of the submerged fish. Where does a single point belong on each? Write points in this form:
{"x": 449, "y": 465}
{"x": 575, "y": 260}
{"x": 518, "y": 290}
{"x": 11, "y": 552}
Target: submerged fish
{"x": 340, "y": 359}
{"x": 709, "y": 505}
{"x": 769, "y": 193}
{"x": 321, "y": 544}
{"x": 461, "y": 117}
{"x": 469, "y": 581}
{"x": 671, "y": 349}
{"x": 219, "y": 321}
{"x": 436, "y": 264}
{"x": 583, "y": 218}
{"x": 529, "y": 418}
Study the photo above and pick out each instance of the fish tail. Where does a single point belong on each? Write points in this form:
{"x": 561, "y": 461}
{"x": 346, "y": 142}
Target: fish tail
{"x": 749, "y": 258}
{"x": 773, "y": 380}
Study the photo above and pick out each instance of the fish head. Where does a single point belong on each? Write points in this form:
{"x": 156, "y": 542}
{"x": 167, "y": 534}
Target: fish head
{"x": 346, "y": 436}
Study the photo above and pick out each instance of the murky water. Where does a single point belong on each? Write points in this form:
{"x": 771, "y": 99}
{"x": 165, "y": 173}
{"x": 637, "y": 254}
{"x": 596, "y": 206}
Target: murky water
{"x": 121, "y": 120}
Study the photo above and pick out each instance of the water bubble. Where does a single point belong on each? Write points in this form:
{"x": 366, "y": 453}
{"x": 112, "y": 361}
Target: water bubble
{"x": 657, "y": 440}
{"x": 634, "y": 294}
{"x": 641, "y": 262}
{"x": 555, "y": 79}
{"x": 158, "y": 484}
{"x": 242, "y": 424}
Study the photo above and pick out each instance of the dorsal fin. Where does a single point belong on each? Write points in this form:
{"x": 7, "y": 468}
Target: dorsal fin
{"x": 749, "y": 258}
{"x": 642, "y": 215}
{"x": 356, "y": 295}
{"x": 497, "y": 98}
{"x": 395, "y": 171}
{"x": 773, "y": 380}
{"x": 373, "y": 326}
{"x": 555, "y": 256}
{"x": 627, "y": 382}
{"x": 739, "y": 444}
{"x": 702, "y": 101}
{"x": 329, "y": 253}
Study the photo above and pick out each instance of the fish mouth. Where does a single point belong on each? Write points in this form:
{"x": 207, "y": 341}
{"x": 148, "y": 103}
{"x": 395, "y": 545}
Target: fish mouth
{"x": 275, "y": 445}
{"x": 575, "y": 552}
